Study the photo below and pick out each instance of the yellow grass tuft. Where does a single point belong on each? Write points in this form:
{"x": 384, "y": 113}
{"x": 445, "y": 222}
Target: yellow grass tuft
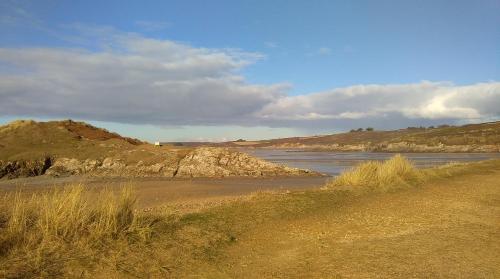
{"x": 34, "y": 228}
{"x": 398, "y": 172}
{"x": 69, "y": 213}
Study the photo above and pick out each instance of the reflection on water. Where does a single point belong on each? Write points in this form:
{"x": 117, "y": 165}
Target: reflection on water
{"x": 333, "y": 163}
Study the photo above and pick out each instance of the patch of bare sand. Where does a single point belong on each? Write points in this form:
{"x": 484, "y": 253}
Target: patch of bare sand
{"x": 448, "y": 229}
{"x": 186, "y": 193}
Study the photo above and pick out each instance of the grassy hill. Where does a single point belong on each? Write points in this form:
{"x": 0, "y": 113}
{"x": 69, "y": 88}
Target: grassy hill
{"x": 473, "y": 137}
{"x": 61, "y": 148}
{"x": 27, "y": 139}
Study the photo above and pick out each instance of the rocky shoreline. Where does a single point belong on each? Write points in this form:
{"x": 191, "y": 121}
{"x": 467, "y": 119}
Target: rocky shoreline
{"x": 24, "y": 168}
{"x": 208, "y": 162}
{"x": 403, "y": 147}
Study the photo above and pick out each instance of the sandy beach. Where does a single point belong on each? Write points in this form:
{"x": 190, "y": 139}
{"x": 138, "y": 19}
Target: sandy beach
{"x": 158, "y": 191}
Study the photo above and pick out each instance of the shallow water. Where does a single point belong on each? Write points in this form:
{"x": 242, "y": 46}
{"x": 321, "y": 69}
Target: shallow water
{"x": 333, "y": 163}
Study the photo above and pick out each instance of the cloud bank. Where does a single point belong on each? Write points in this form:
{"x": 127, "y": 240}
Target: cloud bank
{"x": 426, "y": 102}
{"x": 128, "y": 78}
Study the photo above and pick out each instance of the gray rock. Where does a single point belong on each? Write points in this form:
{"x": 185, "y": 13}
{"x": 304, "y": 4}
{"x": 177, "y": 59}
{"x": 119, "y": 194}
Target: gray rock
{"x": 222, "y": 162}
{"x": 201, "y": 162}
{"x": 24, "y": 168}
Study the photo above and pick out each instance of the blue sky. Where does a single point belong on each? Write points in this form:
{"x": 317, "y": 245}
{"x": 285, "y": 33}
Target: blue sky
{"x": 301, "y": 67}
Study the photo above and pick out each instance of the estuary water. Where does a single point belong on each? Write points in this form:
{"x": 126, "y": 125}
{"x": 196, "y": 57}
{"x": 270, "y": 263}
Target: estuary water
{"x": 333, "y": 163}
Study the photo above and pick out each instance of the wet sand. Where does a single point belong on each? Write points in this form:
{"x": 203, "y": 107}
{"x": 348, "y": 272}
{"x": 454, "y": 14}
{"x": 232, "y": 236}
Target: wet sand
{"x": 157, "y": 191}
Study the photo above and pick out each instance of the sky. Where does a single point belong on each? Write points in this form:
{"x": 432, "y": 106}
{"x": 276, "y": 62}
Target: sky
{"x": 224, "y": 70}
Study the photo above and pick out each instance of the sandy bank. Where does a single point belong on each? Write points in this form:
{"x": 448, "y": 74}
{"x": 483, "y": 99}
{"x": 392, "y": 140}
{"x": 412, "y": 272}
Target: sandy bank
{"x": 158, "y": 191}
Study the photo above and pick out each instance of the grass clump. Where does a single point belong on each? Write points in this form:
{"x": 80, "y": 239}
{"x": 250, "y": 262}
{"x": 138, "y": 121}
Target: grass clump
{"x": 41, "y": 233}
{"x": 398, "y": 172}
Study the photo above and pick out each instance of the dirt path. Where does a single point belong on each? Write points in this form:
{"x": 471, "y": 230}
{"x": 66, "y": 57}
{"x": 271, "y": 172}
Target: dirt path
{"x": 448, "y": 229}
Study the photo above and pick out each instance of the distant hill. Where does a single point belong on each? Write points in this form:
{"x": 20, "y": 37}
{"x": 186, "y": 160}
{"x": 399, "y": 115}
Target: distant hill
{"x": 484, "y": 137}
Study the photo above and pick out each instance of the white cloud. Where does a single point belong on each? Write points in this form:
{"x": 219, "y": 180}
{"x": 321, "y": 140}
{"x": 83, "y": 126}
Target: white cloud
{"x": 133, "y": 79}
{"x": 136, "y": 80}
{"x": 383, "y": 104}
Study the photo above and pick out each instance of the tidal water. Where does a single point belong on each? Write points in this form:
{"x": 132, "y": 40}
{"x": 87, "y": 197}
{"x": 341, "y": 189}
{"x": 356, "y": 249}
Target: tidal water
{"x": 333, "y": 163}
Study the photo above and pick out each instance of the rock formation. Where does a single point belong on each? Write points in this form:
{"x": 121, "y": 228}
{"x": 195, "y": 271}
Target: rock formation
{"x": 221, "y": 162}
{"x": 24, "y": 168}
{"x": 200, "y": 162}
{"x": 77, "y": 148}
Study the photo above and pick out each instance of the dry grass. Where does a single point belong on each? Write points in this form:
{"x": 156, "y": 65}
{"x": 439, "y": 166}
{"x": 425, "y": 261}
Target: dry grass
{"x": 77, "y": 232}
{"x": 64, "y": 225}
{"x": 398, "y": 172}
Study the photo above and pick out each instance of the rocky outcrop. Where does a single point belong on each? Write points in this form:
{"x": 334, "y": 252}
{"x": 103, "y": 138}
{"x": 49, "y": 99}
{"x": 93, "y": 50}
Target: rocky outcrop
{"x": 66, "y": 166}
{"x": 24, "y": 168}
{"x": 201, "y": 162}
{"x": 221, "y": 162}
{"x": 109, "y": 167}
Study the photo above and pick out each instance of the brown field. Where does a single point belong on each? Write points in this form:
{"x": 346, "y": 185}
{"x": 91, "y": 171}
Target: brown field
{"x": 441, "y": 222}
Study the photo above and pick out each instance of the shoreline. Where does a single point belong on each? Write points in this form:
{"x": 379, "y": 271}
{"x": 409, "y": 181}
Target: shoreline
{"x": 328, "y": 149}
{"x": 162, "y": 191}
